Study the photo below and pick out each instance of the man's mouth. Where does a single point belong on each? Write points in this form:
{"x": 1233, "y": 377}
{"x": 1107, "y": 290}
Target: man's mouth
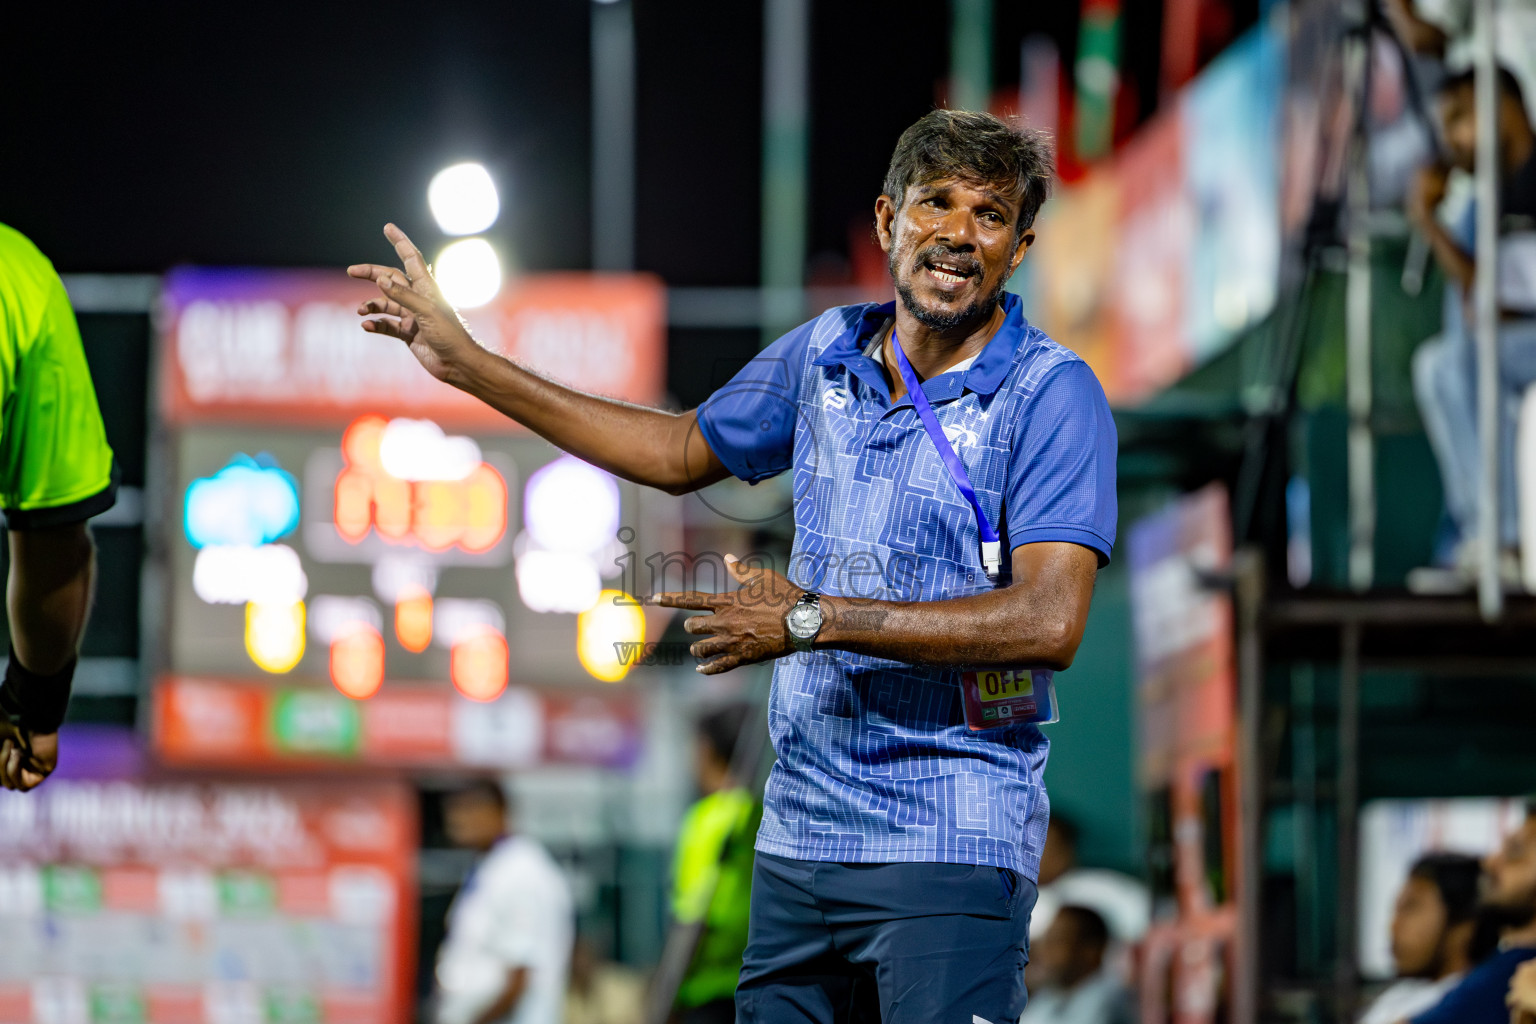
{"x": 950, "y": 272}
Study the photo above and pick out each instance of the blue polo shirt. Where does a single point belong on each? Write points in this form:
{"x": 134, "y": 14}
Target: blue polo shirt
{"x": 875, "y": 762}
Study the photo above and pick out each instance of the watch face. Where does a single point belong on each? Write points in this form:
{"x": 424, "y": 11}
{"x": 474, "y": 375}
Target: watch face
{"x": 804, "y": 620}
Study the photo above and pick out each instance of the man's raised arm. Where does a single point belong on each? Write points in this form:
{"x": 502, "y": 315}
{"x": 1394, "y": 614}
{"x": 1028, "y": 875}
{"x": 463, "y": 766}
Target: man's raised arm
{"x": 648, "y": 446}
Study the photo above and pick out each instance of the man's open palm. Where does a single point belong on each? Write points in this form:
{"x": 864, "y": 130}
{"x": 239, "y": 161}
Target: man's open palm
{"x": 413, "y": 309}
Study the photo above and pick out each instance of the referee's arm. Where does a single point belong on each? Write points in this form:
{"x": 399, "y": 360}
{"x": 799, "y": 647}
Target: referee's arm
{"x": 56, "y": 471}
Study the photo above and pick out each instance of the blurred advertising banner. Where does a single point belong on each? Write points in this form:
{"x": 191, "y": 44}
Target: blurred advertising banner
{"x": 215, "y": 723}
{"x": 1166, "y": 252}
{"x": 1182, "y": 620}
{"x": 273, "y": 345}
{"x": 359, "y": 563}
{"x": 204, "y": 902}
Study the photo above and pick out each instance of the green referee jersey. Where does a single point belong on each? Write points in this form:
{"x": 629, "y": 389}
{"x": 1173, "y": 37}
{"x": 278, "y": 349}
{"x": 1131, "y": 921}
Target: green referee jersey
{"x": 55, "y": 465}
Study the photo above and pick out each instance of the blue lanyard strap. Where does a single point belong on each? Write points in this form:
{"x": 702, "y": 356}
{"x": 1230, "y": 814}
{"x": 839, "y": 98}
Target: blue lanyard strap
{"x": 991, "y": 548}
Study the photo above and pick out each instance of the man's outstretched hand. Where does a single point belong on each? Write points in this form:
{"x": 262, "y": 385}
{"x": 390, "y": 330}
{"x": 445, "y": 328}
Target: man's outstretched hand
{"x": 413, "y": 309}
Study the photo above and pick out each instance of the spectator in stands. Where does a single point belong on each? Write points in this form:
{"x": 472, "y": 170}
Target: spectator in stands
{"x": 1068, "y": 980}
{"x": 1441, "y": 30}
{"x": 712, "y": 870}
{"x": 1445, "y": 368}
{"x": 511, "y": 926}
{"x": 1522, "y": 994}
{"x": 1122, "y": 901}
{"x": 1510, "y": 895}
{"x": 602, "y": 992}
{"x": 1432, "y": 928}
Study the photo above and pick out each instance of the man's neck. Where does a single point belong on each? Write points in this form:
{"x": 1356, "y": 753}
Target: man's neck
{"x": 1523, "y": 937}
{"x": 932, "y": 351}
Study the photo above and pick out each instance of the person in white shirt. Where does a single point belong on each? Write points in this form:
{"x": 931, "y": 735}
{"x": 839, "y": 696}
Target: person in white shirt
{"x": 1432, "y": 930}
{"x": 1075, "y": 986}
{"x": 1122, "y": 901}
{"x": 510, "y": 929}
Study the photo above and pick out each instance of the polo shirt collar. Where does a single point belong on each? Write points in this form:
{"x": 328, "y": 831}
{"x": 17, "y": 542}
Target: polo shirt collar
{"x": 984, "y": 376}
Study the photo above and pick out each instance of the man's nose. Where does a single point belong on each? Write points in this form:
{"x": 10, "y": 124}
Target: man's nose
{"x": 956, "y": 230}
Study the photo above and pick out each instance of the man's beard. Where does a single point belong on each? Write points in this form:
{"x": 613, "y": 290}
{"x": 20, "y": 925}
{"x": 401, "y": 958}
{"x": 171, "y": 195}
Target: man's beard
{"x": 944, "y": 319}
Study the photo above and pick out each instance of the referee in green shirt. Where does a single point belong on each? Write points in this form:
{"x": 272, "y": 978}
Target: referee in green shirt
{"x": 56, "y": 471}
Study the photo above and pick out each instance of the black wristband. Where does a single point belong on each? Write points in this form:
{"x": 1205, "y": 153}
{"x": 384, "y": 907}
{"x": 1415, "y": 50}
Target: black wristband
{"x": 36, "y": 703}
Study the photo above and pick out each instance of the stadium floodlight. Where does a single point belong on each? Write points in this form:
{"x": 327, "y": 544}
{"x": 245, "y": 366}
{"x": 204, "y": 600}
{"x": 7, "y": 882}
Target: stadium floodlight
{"x": 463, "y": 199}
{"x": 468, "y": 272}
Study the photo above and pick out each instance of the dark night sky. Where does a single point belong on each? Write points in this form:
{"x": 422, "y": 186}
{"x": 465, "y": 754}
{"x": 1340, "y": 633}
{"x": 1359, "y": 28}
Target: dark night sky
{"x": 287, "y": 135}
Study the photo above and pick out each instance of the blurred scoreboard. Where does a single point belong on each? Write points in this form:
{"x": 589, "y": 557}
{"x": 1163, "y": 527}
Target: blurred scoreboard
{"x": 168, "y": 902}
{"x": 361, "y": 563}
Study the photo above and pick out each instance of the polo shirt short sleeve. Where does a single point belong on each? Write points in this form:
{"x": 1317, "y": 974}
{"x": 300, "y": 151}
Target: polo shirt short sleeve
{"x": 1061, "y": 476}
{"x": 55, "y": 464}
{"x": 750, "y": 423}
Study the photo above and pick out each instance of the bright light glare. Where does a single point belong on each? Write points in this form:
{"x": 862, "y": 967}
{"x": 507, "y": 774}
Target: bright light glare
{"x": 243, "y": 503}
{"x": 357, "y": 662}
{"x": 469, "y": 273}
{"x": 557, "y": 581}
{"x": 419, "y": 450}
{"x": 571, "y": 506}
{"x": 274, "y": 635}
{"x": 608, "y": 636}
{"x": 235, "y": 574}
{"x": 463, "y": 199}
{"x": 413, "y": 620}
{"x": 478, "y": 665}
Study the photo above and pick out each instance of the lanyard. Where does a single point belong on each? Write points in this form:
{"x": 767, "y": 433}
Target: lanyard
{"x": 991, "y": 547}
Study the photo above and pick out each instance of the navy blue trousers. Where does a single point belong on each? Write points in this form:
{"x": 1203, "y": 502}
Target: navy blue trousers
{"x": 884, "y": 944}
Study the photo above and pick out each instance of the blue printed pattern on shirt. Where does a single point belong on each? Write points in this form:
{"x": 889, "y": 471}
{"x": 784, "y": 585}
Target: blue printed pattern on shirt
{"x": 875, "y": 762}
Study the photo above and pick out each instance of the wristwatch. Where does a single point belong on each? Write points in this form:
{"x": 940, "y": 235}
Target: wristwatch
{"x": 804, "y": 620}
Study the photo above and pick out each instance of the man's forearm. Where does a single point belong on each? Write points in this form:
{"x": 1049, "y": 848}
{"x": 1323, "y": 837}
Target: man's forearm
{"x": 998, "y": 628}
{"x": 648, "y": 446}
{"x": 49, "y": 594}
{"x": 1457, "y": 265}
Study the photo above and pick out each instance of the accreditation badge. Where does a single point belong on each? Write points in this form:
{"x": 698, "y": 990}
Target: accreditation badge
{"x": 1009, "y": 696}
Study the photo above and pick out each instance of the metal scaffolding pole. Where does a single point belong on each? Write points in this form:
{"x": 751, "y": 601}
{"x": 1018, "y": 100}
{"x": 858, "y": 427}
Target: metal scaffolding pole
{"x": 613, "y": 135}
{"x": 1248, "y": 573}
{"x": 1490, "y": 592}
{"x": 1361, "y": 444}
{"x": 786, "y": 146}
{"x": 1347, "y": 810}
{"x": 970, "y": 54}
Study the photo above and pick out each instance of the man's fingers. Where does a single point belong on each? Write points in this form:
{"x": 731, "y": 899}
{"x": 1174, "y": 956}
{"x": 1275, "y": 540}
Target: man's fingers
{"x": 410, "y": 256}
{"x": 388, "y": 307}
{"x": 386, "y": 327}
{"x": 711, "y": 647}
{"x": 370, "y": 271}
{"x": 724, "y": 663}
{"x": 406, "y": 296}
{"x": 700, "y": 624}
{"x": 687, "y": 599}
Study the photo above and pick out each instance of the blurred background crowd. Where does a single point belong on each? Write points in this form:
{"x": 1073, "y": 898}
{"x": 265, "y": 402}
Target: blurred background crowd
{"x": 368, "y": 725}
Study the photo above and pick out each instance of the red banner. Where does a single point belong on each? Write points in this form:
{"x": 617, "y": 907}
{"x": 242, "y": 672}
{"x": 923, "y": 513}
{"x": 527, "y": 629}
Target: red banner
{"x": 285, "y": 346}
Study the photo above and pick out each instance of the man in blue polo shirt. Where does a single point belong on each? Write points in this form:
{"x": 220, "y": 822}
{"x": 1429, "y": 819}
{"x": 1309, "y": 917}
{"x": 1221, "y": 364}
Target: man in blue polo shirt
{"x": 954, "y": 497}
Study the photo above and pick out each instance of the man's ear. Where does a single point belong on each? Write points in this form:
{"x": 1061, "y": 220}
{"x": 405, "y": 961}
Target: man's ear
{"x": 1026, "y": 240}
{"x": 885, "y": 221}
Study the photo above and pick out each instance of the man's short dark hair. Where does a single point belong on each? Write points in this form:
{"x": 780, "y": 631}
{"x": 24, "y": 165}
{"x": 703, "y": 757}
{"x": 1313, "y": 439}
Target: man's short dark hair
{"x": 485, "y": 789}
{"x": 1065, "y": 827}
{"x": 1509, "y": 85}
{"x": 721, "y": 729}
{"x": 1457, "y": 877}
{"x": 1091, "y": 929}
{"x": 973, "y": 146}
